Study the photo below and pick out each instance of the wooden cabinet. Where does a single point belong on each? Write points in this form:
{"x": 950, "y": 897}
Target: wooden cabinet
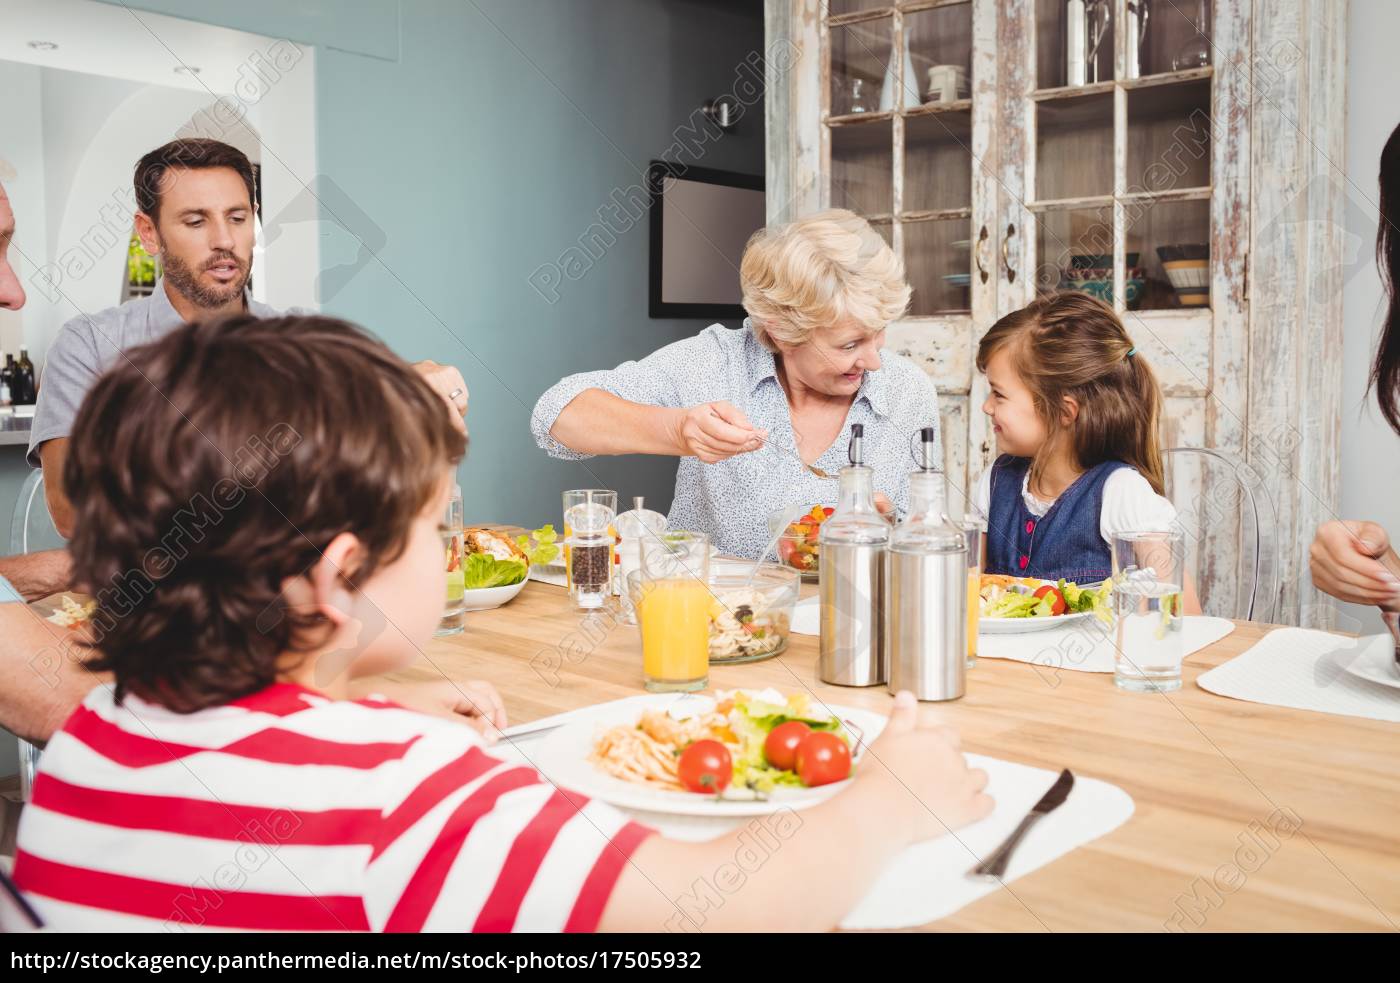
{"x": 949, "y": 124}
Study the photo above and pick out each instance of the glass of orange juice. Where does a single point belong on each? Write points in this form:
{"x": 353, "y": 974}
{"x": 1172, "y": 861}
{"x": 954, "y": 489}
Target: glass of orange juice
{"x": 673, "y": 607}
{"x": 972, "y": 532}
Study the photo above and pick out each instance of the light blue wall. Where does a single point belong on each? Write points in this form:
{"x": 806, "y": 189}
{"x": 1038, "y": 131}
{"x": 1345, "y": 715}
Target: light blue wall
{"x": 482, "y": 138}
{"x": 482, "y": 141}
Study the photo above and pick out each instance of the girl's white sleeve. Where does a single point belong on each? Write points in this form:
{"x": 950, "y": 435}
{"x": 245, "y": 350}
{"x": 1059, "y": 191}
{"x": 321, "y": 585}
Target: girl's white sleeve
{"x": 1130, "y": 505}
{"x": 982, "y": 499}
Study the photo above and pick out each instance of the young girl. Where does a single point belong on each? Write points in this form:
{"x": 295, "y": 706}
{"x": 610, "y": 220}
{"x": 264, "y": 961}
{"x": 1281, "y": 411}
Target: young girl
{"x": 258, "y": 514}
{"x": 1075, "y": 410}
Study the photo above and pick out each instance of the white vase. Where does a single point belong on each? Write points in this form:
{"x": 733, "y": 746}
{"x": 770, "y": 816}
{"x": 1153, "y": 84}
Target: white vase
{"x": 892, "y": 96}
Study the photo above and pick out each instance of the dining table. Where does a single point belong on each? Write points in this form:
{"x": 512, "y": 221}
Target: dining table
{"x": 1206, "y": 773}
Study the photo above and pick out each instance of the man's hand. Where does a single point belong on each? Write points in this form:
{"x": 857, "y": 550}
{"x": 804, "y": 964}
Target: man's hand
{"x": 37, "y": 575}
{"x": 715, "y": 432}
{"x": 448, "y": 383}
{"x": 52, "y": 454}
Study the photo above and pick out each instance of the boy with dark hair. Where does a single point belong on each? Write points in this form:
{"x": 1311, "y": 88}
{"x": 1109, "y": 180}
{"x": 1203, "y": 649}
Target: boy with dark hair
{"x": 229, "y": 780}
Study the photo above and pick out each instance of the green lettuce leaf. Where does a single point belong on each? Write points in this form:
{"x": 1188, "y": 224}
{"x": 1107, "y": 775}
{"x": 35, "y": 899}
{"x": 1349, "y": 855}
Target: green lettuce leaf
{"x": 544, "y": 548}
{"x": 483, "y": 570}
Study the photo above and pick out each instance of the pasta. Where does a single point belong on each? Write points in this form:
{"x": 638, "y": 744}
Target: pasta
{"x": 647, "y": 752}
{"x": 744, "y": 624}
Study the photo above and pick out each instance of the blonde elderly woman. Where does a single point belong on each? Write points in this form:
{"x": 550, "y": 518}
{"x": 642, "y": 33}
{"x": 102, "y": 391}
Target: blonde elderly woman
{"x": 739, "y": 407}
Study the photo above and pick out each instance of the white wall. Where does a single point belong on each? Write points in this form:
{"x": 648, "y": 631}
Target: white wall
{"x": 95, "y": 129}
{"x": 23, "y": 173}
{"x": 1370, "y": 451}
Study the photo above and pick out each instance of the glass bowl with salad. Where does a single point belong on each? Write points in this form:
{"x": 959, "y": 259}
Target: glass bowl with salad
{"x": 750, "y": 610}
{"x": 798, "y": 530}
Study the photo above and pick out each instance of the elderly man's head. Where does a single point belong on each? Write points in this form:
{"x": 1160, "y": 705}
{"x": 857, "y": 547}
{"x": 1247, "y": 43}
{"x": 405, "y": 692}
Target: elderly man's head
{"x": 11, "y": 293}
{"x": 819, "y": 293}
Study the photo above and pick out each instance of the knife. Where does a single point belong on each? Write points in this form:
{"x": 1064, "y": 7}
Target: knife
{"x": 994, "y": 866}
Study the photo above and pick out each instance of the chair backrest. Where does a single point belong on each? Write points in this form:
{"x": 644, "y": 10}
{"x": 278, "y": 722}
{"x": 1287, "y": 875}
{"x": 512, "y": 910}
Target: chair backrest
{"x": 16, "y": 913}
{"x": 31, "y": 530}
{"x": 31, "y": 527}
{"x": 1228, "y": 517}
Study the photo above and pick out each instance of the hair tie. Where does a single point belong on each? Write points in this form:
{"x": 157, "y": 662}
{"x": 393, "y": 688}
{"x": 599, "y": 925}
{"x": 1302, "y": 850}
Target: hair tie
{"x": 1132, "y": 351}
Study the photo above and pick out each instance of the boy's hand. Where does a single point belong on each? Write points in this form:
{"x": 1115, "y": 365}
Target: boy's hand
{"x": 474, "y": 703}
{"x": 480, "y": 704}
{"x": 928, "y": 780}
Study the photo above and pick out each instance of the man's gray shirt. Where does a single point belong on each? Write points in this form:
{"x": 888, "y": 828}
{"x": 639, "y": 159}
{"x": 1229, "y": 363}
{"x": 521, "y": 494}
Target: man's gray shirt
{"x": 88, "y": 345}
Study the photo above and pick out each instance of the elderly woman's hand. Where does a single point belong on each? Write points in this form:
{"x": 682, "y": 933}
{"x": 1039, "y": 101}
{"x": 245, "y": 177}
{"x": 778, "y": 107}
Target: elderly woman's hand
{"x": 716, "y": 432}
{"x": 1348, "y": 561}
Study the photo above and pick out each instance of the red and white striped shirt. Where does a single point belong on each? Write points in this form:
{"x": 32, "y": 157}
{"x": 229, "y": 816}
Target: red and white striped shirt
{"x": 289, "y": 811}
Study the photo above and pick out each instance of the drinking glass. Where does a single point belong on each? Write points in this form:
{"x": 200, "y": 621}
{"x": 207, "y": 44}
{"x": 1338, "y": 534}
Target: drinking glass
{"x": 673, "y": 605}
{"x": 1148, "y": 574}
{"x": 454, "y": 610}
{"x": 589, "y": 539}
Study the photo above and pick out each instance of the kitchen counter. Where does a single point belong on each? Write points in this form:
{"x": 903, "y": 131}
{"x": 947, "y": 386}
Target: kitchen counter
{"x": 14, "y": 430}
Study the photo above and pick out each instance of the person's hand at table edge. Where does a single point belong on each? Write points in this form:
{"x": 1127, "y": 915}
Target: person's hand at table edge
{"x": 1353, "y": 561}
{"x": 475, "y": 703}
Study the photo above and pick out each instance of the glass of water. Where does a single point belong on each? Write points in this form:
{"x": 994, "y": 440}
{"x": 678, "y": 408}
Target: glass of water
{"x": 1148, "y": 573}
{"x": 454, "y": 609}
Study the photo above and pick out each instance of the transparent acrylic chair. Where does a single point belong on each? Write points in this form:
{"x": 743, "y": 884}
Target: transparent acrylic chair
{"x": 31, "y": 530}
{"x": 1227, "y": 515}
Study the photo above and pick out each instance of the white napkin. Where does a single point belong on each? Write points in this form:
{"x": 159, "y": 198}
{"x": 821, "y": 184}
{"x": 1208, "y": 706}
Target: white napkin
{"x": 1303, "y": 668}
{"x": 1087, "y": 645}
{"x": 806, "y": 616}
{"x": 929, "y": 881}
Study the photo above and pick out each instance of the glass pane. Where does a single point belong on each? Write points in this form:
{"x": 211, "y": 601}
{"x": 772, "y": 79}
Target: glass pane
{"x": 862, "y": 167}
{"x": 1174, "y": 239}
{"x": 1177, "y": 36}
{"x": 1079, "y": 56}
{"x": 938, "y": 161}
{"x": 938, "y": 262}
{"x": 1075, "y": 250}
{"x": 839, "y": 7}
{"x": 940, "y": 49}
{"x": 1074, "y": 147}
{"x": 886, "y": 230}
{"x": 1169, "y": 136}
{"x": 860, "y": 55}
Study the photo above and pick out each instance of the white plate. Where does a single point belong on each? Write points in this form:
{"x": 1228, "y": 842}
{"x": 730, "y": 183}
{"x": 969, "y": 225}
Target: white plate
{"x": 1020, "y": 626}
{"x": 485, "y": 598}
{"x": 563, "y": 757}
{"x": 1374, "y": 662}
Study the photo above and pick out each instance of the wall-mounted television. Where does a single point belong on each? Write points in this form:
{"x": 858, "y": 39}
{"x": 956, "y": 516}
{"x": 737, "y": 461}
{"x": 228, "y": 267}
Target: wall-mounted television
{"x": 701, "y": 220}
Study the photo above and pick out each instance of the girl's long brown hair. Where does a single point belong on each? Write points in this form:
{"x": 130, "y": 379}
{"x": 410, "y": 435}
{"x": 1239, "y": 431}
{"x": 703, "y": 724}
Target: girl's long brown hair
{"x": 1071, "y": 344}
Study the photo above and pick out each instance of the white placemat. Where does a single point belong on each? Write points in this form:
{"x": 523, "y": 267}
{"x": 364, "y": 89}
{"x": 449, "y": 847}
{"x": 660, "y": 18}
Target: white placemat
{"x": 806, "y": 616}
{"x": 1084, "y": 646}
{"x": 1088, "y": 646}
{"x": 1304, "y": 669}
{"x": 929, "y": 881}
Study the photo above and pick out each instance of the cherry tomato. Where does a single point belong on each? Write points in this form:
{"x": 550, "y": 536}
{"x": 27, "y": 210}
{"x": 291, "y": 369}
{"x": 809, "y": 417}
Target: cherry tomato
{"x": 1057, "y": 600}
{"x": 781, "y": 746}
{"x": 823, "y": 758}
{"x": 705, "y": 766}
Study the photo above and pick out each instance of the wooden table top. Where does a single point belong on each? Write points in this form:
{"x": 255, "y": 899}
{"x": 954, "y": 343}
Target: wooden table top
{"x": 1206, "y": 774}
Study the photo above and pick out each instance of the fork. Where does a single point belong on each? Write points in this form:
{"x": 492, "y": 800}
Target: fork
{"x": 812, "y": 468}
